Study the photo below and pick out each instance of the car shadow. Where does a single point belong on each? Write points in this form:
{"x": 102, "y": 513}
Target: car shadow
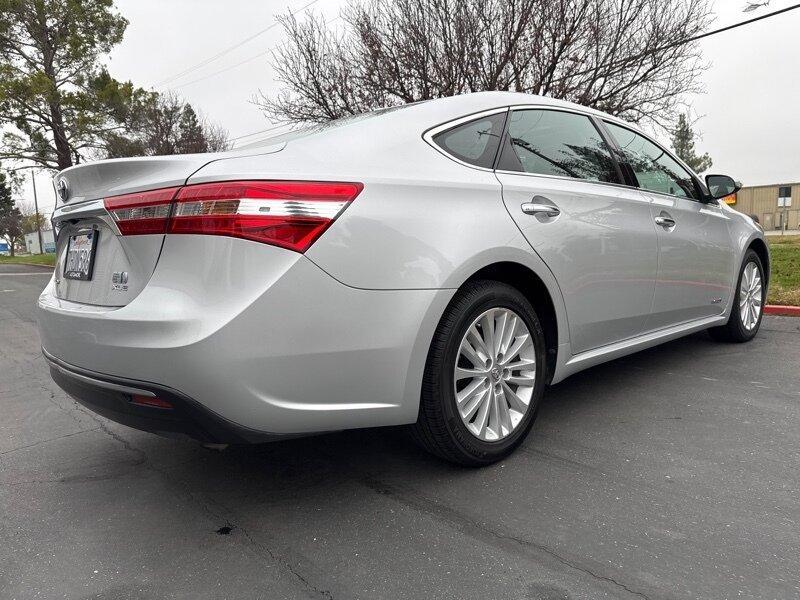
{"x": 295, "y": 465}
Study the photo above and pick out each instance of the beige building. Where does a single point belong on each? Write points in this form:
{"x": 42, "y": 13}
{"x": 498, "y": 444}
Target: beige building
{"x": 772, "y": 204}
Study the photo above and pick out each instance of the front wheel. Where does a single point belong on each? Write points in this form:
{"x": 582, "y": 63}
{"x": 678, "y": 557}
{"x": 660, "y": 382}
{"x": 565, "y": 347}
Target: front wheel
{"x": 484, "y": 376}
{"x": 748, "y": 303}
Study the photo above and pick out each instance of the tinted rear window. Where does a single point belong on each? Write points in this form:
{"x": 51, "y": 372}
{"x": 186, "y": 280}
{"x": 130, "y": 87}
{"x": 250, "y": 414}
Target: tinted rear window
{"x": 474, "y": 142}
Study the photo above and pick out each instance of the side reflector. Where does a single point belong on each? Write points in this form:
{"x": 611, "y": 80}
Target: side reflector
{"x": 151, "y": 401}
{"x": 143, "y": 212}
{"x": 289, "y": 214}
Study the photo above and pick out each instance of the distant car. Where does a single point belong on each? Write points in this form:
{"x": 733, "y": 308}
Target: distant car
{"x": 436, "y": 265}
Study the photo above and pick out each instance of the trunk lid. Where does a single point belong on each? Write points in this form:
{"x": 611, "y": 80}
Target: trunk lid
{"x": 121, "y": 265}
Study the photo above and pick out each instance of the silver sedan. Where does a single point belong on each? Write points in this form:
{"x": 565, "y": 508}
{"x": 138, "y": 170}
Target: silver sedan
{"x": 435, "y": 265}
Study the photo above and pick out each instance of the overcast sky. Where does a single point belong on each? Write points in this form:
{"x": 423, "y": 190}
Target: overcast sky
{"x": 749, "y": 122}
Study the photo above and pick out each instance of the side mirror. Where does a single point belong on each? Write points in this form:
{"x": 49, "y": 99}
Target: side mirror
{"x": 720, "y": 186}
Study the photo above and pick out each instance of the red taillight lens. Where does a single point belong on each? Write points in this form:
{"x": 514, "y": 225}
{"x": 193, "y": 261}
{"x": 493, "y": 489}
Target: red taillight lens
{"x": 143, "y": 212}
{"x": 290, "y": 214}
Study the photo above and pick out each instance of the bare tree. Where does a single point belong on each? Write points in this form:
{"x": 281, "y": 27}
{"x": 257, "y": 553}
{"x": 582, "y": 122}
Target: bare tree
{"x": 630, "y": 58}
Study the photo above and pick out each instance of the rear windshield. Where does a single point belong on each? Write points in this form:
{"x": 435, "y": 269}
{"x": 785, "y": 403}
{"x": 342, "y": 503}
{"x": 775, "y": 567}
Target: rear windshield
{"x": 302, "y": 131}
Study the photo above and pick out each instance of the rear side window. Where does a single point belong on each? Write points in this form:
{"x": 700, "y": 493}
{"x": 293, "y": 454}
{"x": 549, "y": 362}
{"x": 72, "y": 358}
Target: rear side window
{"x": 475, "y": 142}
{"x": 655, "y": 170}
{"x": 551, "y": 142}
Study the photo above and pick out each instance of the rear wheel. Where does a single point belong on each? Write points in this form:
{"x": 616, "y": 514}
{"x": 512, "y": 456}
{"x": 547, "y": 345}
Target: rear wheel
{"x": 748, "y": 303}
{"x": 484, "y": 376}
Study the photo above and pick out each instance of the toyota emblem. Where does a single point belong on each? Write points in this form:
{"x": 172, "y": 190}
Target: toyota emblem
{"x": 63, "y": 189}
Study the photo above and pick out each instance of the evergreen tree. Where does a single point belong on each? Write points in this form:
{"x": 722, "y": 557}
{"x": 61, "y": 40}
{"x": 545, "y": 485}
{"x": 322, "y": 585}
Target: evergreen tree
{"x": 158, "y": 124}
{"x": 683, "y": 144}
{"x": 58, "y": 103}
{"x": 10, "y": 217}
{"x": 191, "y": 138}
{"x": 51, "y": 55}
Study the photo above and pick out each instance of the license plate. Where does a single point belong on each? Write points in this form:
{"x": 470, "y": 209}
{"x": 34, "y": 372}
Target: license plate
{"x": 80, "y": 256}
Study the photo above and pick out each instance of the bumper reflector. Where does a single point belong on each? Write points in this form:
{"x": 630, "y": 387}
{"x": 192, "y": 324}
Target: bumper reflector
{"x": 150, "y": 401}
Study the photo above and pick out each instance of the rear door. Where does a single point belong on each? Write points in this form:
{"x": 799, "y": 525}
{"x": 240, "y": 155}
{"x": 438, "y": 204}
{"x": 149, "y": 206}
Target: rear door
{"x": 696, "y": 255}
{"x": 568, "y": 197}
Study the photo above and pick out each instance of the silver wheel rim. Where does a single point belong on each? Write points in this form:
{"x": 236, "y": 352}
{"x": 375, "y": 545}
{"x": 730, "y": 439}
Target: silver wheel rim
{"x": 494, "y": 374}
{"x": 750, "y": 296}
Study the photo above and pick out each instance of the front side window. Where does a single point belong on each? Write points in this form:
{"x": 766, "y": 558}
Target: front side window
{"x": 474, "y": 142}
{"x": 551, "y": 142}
{"x": 655, "y": 170}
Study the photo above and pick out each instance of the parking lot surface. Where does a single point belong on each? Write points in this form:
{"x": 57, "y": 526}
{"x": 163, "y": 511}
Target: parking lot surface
{"x": 672, "y": 473}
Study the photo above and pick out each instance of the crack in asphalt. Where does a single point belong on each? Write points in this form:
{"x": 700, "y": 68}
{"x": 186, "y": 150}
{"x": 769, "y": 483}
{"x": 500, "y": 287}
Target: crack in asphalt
{"x": 479, "y": 530}
{"x": 261, "y": 548}
{"x": 205, "y": 505}
{"x": 41, "y": 442}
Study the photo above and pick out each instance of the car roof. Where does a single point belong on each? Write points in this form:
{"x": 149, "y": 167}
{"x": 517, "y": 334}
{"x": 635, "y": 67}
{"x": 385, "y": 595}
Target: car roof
{"x": 402, "y": 123}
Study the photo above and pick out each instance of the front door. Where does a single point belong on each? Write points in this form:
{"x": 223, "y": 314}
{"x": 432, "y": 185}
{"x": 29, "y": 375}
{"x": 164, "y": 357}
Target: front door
{"x": 597, "y": 236}
{"x": 696, "y": 270}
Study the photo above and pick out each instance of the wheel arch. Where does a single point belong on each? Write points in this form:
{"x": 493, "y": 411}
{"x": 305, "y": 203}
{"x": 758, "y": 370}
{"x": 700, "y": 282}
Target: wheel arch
{"x": 533, "y": 287}
{"x": 759, "y": 246}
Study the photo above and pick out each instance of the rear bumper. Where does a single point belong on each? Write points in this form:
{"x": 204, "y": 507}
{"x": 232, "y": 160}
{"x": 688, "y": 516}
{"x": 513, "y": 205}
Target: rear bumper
{"x": 112, "y": 397}
{"x": 257, "y": 335}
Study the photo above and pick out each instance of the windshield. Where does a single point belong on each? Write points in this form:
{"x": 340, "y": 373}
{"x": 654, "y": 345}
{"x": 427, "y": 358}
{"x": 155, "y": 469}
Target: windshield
{"x": 301, "y": 130}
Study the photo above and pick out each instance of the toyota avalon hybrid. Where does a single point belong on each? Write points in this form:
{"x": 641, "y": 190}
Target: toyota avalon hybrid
{"x": 436, "y": 265}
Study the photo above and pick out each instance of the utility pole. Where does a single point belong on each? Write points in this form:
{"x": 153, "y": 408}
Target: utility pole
{"x": 36, "y": 208}
{"x": 784, "y": 202}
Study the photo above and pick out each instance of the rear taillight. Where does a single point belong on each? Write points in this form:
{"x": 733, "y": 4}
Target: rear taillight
{"x": 143, "y": 212}
{"x": 290, "y": 214}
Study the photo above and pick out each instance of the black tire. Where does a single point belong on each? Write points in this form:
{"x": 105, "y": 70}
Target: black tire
{"x": 439, "y": 428}
{"x": 734, "y": 331}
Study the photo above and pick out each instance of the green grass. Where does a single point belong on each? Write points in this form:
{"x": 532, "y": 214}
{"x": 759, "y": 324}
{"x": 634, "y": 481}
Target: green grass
{"x": 33, "y": 259}
{"x": 785, "y": 285}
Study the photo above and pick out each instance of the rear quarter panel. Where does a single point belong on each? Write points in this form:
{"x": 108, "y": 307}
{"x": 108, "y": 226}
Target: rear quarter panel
{"x": 423, "y": 221}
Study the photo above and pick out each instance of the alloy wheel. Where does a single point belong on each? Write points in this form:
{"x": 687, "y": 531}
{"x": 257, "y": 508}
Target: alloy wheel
{"x": 494, "y": 375}
{"x": 750, "y": 296}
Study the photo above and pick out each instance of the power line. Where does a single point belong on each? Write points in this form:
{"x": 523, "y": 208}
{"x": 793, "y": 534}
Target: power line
{"x": 221, "y": 71}
{"x": 643, "y": 55}
{"x": 735, "y": 25}
{"x": 267, "y": 130}
{"x": 682, "y": 42}
{"x": 233, "y": 66}
{"x": 230, "y": 48}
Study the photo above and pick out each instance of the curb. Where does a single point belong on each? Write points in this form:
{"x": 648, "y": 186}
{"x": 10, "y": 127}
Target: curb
{"x": 785, "y": 311}
{"x": 48, "y": 267}
{"x": 27, "y": 264}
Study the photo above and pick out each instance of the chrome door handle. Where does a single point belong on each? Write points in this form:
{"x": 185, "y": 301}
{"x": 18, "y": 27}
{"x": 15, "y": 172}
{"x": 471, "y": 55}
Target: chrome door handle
{"x": 665, "y": 221}
{"x": 539, "y": 208}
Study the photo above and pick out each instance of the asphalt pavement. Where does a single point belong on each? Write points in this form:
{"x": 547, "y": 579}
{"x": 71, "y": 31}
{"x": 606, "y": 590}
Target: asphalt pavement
{"x": 672, "y": 473}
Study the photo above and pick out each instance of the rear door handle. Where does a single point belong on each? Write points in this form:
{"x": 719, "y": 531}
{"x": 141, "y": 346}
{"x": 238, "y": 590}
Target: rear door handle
{"x": 665, "y": 221}
{"x": 539, "y": 206}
